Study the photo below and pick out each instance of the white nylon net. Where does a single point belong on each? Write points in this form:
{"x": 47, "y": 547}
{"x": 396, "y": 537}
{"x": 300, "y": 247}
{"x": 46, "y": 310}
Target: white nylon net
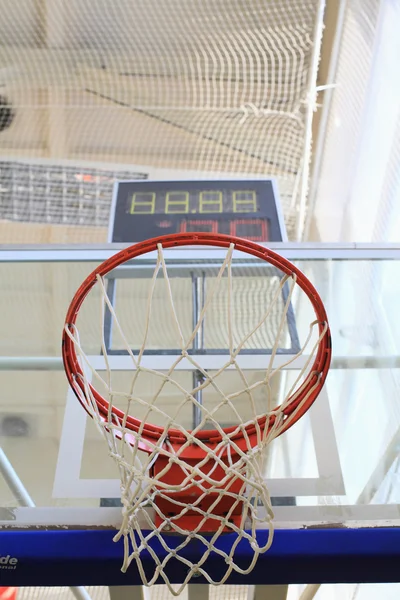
{"x": 225, "y": 489}
{"x": 60, "y": 593}
{"x": 91, "y": 88}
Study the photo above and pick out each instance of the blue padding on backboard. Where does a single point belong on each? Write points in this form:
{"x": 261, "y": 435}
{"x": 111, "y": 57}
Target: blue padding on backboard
{"x": 90, "y": 557}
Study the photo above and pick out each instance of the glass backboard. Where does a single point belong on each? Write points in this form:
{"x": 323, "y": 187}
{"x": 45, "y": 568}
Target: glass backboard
{"x": 332, "y": 477}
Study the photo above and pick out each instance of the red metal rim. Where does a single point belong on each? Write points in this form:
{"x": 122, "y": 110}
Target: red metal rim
{"x": 310, "y": 389}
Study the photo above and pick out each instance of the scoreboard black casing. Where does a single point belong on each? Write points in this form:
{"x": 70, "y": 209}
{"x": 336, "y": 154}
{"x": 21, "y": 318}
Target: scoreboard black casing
{"x": 244, "y": 208}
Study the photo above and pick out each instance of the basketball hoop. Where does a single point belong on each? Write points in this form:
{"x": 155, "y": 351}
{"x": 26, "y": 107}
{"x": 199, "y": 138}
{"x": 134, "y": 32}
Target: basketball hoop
{"x": 204, "y": 482}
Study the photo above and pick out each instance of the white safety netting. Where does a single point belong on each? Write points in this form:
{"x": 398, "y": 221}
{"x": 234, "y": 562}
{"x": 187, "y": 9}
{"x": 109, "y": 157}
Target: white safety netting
{"x": 59, "y": 593}
{"x": 358, "y": 151}
{"x": 89, "y": 89}
{"x": 224, "y": 490}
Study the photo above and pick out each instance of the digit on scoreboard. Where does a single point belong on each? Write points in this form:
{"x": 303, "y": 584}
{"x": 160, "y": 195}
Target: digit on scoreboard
{"x": 210, "y": 201}
{"x": 255, "y": 230}
{"x": 244, "y": 201}
{"x": 203, "y": 225}
{"x": 143, "y": 203}
{"x": 177, "y": 202}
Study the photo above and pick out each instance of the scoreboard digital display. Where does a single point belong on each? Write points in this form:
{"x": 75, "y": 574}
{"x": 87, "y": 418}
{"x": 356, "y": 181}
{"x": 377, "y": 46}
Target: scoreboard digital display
{"x": 243, "y": 208}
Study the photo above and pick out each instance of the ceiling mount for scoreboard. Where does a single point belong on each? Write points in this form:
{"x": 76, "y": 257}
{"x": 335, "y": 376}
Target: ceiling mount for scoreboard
{"x": 243, "y": 208}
